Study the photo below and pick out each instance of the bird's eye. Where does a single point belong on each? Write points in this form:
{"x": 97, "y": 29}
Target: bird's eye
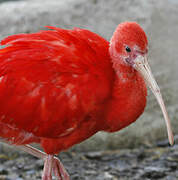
{"x": 127, "y": 49}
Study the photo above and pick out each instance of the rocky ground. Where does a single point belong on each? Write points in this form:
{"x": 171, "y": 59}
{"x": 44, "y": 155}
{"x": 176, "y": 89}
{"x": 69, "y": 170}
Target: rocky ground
{"x": 145, "y": 163}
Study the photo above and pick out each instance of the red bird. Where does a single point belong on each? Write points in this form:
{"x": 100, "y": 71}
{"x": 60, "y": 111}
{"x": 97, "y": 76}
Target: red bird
{"x": 59, "y": 87}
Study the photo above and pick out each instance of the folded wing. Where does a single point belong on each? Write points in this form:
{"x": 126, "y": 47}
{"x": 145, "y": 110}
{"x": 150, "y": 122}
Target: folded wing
{"x": 52, "y": 80}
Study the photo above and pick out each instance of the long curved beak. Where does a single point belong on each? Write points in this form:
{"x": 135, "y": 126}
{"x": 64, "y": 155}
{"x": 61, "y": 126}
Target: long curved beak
{"x": 142, "y": 66}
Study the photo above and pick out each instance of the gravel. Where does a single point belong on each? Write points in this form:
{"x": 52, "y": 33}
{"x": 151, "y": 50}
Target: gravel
{"x": 148, "y": 163}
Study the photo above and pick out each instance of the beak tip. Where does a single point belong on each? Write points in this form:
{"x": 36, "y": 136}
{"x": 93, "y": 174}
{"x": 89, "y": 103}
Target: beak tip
{"x": 171, "y": 142}
{"x": 171, "y": 138}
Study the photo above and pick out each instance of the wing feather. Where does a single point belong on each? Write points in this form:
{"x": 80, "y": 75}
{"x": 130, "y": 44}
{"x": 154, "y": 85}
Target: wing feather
{"x": 51, "y": 80}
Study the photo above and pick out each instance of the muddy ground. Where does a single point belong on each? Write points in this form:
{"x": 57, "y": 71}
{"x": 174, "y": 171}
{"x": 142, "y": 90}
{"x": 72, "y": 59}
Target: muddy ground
{"x": 144, "y": 163}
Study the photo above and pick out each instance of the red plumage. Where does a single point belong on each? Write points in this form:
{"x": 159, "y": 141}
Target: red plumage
{"x": 49, "y": 82}
{"x": 59, "y": 87}
{"x": 56, "y": 88}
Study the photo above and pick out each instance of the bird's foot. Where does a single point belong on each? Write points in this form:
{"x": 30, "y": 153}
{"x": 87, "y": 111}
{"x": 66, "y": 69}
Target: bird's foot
{"x": 48, "y": 166}
{"x": 59, "y": 170}
{"x": 53, "y": 164}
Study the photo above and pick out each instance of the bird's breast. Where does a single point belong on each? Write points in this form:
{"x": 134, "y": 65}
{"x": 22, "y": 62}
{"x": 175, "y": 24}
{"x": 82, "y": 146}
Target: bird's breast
{"x": 127, "y": 103}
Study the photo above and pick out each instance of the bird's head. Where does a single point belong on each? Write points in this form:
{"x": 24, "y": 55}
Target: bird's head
{"x": 128, "y": 42}
{"x": 129, "y": 48}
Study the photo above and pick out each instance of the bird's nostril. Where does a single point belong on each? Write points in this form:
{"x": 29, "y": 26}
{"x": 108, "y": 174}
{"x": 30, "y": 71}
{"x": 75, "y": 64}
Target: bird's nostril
{"x": 129, "y": 61}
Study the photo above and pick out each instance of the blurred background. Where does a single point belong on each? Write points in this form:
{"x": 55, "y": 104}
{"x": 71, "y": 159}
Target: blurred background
{"x": 160, "y": 21}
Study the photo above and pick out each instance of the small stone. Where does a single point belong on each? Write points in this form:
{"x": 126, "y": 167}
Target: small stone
{"x": 3, "y": 172}
{"x": 18, "y": 179}
{"x": 90, "y": 172}
{"x": 154, "y": 172}
{"x": 163, "y": 143}
{"x": 30, "y": 172}
{"x": 94, "y": 155}
{"x": 107, "y": 175}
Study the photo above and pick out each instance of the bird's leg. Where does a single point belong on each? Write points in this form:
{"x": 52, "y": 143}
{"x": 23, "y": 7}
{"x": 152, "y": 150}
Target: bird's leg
{"x": 57, "y": 167}
{"x": 49, "y": 160}
{"x": 48, "y": 165}
{"x": 33, "y": 151}
{"x": 60, "y": 171}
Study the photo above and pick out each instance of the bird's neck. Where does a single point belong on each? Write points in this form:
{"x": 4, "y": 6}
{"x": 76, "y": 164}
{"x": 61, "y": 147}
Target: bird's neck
{"x": 128, "y": 98}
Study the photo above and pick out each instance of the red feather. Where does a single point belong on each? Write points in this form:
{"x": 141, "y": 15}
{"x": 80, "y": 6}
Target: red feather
{"x": 59, "y": 87}
{"x": 53, "y": 83}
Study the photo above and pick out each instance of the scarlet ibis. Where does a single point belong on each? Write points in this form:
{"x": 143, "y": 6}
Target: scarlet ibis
{"x": 58, "y": 87}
